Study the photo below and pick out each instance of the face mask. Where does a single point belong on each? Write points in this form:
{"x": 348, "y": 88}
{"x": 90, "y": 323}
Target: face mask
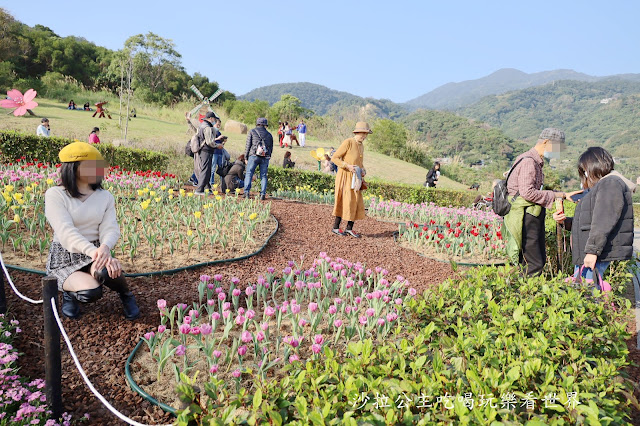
{"x": 551, "y": 154}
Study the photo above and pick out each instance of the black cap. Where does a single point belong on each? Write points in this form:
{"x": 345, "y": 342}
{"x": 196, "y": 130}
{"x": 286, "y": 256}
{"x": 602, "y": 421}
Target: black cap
{"x": 211, "y": 114}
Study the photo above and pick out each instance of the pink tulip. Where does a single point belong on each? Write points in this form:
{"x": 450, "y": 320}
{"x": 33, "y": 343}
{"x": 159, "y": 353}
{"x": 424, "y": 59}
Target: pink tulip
{"x": 226, "y": 314}
{"x": 236, "y": 292}
{"x": 264, "y": 326}
{"x": 162, "y": 304}
{"x": 217, "y": 354}
{"x": 313, "y": 306}
{"x": 337, "y": 323}
{"x": 236, "y": 374}
{"x": 149, "y": 335}
{"x": 287, "y": 284}
{"x": 248, "y": 291}
{"x": 371, "y": 312}
{"x": 161, "y": 329}
{"x": 380, "y": 321}
{"x": 271, "y": 270}
{"x": 295, "y": 309}
{"x": 219, "y": 290}
{"x": 269, "y": 311}
{"x": 337, "y": 301}
{"x": 241, "y": 311}
{"x": 363, "y": 319}
{"x": 240, "y": 320}
{"x": 347, "y": 309}
{"x": 210, "y": 286}
{"x": 333, "y": 309}
{"x": 302, "y": 322}
{"x": 260, "y": 336}
{"x": 358, "y": 299}
{"x": 215, "y": 316}
{"x": 246, "y": 337}
{"x": 283, "y": 309}
{"x": 195, "y": 330}
{"x": 222, "y": 296}
{"x": 235, "y": 280}
{"x": 194, "y": 314}
{"x": 217, "y": 277}
{"x": 181, "y": 350}
{"x": 187, "y": 319}
{"x": 205, "y": 278}
{"x": 398, "y": 301}
{"x": 293, "y": 358}
{"x": 250, "y": 314}
{"x": 318, "y": 339}
{"x": 242, "y": 350}
{"x": 315, "y": 348}
{"x": 211, "y": 302}
{"x": 185, "y": 328}
{"x": 386, "y": 299}
{"x": 213, "y": 369}
{"x": 226, "y": 306}
{"x": 205, "y": 329}
{"x": 412, "y": 291}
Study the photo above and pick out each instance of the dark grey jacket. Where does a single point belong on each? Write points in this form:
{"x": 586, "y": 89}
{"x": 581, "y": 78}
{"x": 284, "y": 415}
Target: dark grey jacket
{"x": 253, "y": 138}
{"x": 603, "y": 221}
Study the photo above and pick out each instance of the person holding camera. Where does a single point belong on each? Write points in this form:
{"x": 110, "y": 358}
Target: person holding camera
{"x": 217, "y": 159}
{"x": 258, "y": 151}
{"x": 43, "y": 129}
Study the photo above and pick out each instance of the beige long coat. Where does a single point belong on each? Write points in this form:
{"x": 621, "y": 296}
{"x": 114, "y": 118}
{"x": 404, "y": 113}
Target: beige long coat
{"x": 349, "y": 204}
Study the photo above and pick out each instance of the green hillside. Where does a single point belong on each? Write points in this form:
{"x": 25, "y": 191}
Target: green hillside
{"x": 605, "y": 113}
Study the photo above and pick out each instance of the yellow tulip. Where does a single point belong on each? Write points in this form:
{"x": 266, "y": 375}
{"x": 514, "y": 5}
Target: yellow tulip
{"x": 182, "y": 191}
{"x": 28, "y": 188}
{"x": 152, "y": 193}
{"x": 170, "y": 191}
{"x": 171, "y": 197}
{"x": 49, "y": 181}
{"x": 158, "y": 199}
{"x": 189, "y": 232}
{"x": 218, "y": 198}
{"x": 227, "y": 190}
{"x": 252, "y": 216}
{"x": 190, "y": 194}
{"x": 163, "y": 187}
{"x": 17, "y": 196}
{"x": 140, "y": 193}
{"x": 215, "y": 192}
{"x": 197, "y": 214}
{"x": 16, "y": 218}
{"x": 9, "y": 188}
{"x": 21, "y": 202}
{"x": 237, "y": 191}
{"x": 150, "y": 185}
{"x": 15, "y": 207}
{"x": 206, "y": 191}
{"x": 241, "y": 214}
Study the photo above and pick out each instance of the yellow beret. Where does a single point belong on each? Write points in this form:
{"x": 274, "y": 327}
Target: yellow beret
{"x": 79, "y": 151}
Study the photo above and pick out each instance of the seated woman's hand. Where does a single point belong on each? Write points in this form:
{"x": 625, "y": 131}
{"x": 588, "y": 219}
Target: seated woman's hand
{"x": 101, "y": 257}
{"x": 114, "y": 268}
{"x": 559, "y": 217}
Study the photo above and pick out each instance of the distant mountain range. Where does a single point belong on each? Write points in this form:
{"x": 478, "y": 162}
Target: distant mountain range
{"x": 452, "y": 96}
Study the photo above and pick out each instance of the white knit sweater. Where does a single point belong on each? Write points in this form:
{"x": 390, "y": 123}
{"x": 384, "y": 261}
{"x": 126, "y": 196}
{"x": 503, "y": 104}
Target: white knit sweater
{"x": 76, "y": 223}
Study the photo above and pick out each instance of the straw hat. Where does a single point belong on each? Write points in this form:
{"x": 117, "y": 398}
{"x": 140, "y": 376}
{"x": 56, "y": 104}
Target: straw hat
{"x": 362, "y": 127}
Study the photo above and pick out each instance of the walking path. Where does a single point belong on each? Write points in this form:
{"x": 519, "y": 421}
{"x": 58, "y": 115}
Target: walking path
{"x": 636, "y": 239}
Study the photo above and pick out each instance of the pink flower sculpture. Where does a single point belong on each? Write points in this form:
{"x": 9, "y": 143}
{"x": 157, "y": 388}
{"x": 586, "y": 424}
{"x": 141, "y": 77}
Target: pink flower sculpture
{"x": 20, "y": 102}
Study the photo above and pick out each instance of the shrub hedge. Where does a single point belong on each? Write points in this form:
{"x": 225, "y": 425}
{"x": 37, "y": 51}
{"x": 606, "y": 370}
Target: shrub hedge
{"x": 15, "y": 145}
{"x": 280, "y": 178}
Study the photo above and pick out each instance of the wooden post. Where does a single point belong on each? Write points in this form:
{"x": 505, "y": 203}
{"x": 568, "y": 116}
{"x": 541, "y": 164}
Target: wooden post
{"x": 52, "y": 360}
{"x": 560, "y": 246}
{"x": 3, "y": 297}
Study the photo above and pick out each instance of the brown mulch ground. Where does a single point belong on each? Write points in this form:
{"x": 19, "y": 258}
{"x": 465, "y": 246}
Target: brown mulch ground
{"x": 103, "y": 339}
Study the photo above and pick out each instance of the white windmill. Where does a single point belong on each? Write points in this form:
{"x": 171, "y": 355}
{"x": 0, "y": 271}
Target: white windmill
{"x": 205, "y": 101}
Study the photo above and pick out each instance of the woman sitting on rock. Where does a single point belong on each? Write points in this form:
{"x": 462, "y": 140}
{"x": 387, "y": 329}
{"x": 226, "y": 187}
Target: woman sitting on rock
{"x": 85, "y": 230}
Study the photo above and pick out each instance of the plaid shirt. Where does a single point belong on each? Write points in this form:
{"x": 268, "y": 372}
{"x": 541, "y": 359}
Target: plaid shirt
{"x": 527, "y": 179}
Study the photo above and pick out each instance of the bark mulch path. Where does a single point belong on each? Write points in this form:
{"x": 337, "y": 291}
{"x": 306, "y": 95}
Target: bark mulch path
{"x": 103, "y": 339}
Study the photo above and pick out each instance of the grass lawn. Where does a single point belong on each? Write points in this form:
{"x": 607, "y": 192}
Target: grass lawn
{"x": 164, "y": 129}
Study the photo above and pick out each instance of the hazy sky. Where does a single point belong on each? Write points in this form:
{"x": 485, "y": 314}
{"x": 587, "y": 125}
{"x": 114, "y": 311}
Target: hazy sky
{"x": 394, "y": 49}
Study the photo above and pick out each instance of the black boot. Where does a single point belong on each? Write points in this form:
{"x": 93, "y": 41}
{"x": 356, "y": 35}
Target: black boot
{"x": 70, "y": 307}
{"x": 70, "y": 299}
{"x": 119, "y": 285}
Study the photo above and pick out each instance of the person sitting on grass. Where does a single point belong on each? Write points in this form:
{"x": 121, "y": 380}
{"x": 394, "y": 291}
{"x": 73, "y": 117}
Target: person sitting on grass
{"x": 83, "y": 217}
{"x": 287, "y": 163}
{"x": 87, "y": 107}
{"x": 72, "y": 105}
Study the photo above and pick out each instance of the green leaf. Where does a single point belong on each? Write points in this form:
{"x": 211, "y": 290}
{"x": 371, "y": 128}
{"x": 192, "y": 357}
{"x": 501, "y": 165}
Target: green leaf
{"x": 257, "y": 399}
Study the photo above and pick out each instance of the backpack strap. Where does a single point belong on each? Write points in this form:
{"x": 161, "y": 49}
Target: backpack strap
{"x": 506, "y": 182}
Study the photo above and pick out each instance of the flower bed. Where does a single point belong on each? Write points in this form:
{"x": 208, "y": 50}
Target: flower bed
{"x": 266, "y": 329}
{"x": 22, "y": 402}
{"x": 484, "y": 347}
{"x": 161, "y": 227}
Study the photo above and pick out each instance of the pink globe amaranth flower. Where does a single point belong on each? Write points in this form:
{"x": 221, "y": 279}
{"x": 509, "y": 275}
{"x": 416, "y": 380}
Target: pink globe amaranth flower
{"x": 241, "y": 311}
{"x": 399, "y": 301}
{"x": 213, "y": 369}
{"x": 194, "y": 314}
{"x": 318, "y": 339}
{"x": 313, "y": 306}
{"x": 412, "y": 291}
{"x": 248, "y": 291}
{"x": 222, "y": 296}
{"x": 236, "y": 292}
{"x": 316, "y": 348}
{"x": 337, "y": 323}
{"x": 211, "y": 302}
{"x": 250, "y": 314}
{"x": 217, "y": 354}
{"x": 293, "y": 358}
{"x": 147, "y": 336}
{"x": 195, "y": 330}
{"x": 215, "y": 316}
{"x": 295, "y": 309}
{"x": 181, "y": 350}
{"x": 236, "y": 374}
{"x": 206, "y": 329}
{"x": 260, "y": 336}
{"x": 246, "y": 337}
{"x": 240, "y": 320}
{"x": 162, "y": 304}
{"x": 271, "y": 269}
{"x": 185, "y": 328}
{"x": 333, "y": 309}
{"x": 161, "y": 329}
{"x": 302, "y": 322}
{"x": 205, "y": 278}
{"x": 269, "y": 311}
{"x": 264, "y": 326}
{"x": 370, "y": 312}
{"x": 380, "y": 321}
{"x": 242, "y": 350}
{"x": 217, "y": 277}
{"x": 226, "y": 306}
{"x": 363, "y": 319}
{"x": 187, "y": 319}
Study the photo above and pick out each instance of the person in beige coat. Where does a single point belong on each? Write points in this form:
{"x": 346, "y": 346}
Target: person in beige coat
{"x": 349, "y": 204}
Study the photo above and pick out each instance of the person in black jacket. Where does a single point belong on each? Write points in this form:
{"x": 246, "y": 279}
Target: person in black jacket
{"x": 432, "y": 176}
{"x": 235, "y": 177}
{"x": 602, "y": 227}
{"x": 287, "y": 163}
{"x": 257, "y": 151}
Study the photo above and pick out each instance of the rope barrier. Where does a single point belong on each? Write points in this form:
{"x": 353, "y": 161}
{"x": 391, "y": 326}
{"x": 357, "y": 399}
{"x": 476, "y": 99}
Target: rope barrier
{"x": 23, "y": 297}
{"x": 84, "y": 376}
